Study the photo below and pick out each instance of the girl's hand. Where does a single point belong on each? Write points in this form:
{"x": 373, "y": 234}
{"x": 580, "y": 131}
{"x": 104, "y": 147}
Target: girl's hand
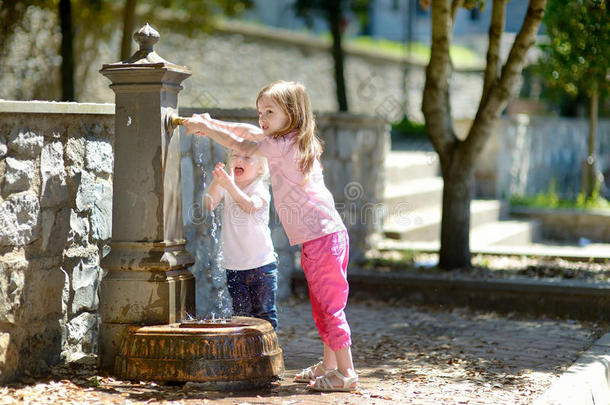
{"x": 223, "y": 178}
{"x": 196, "y": 124}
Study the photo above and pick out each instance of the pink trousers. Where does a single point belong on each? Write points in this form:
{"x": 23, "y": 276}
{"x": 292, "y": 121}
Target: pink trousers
{"x": 324, "y": 261}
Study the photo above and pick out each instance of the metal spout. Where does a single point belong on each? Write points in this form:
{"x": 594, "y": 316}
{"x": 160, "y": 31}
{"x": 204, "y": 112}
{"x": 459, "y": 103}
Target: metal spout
{"x": 172, "y": 121}
{"x": 176, "y": 120}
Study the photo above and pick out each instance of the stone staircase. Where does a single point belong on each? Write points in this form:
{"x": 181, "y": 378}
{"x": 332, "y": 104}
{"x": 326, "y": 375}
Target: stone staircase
{"x": 413, "y": 196}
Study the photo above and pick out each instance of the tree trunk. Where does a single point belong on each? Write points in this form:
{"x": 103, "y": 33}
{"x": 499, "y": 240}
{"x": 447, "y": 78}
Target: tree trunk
{"x": 458, "y": 157}
{"x": 334, "y": 17}
{"x": 458, "y": 191}
{"x": 67, "y": 54}
{"x": 129, "y": 14}
{"x": 590, "y": 176}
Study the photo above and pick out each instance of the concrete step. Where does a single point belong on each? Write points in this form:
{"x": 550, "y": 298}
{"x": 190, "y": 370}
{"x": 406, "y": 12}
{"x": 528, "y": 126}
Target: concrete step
{"x": 507, "y": 232}
{"x": 414, "y": 194}
{"x": 595, "y": 252}
{"x": 410, "y": 165}
{"x": 425, "y": 224}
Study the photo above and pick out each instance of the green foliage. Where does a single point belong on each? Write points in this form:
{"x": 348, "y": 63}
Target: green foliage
{"x": 550, "y": 199}
{"x": 460, "y": 56}
{"x": 406, "y": 129}
{"x": 93, "y": 381}
{"x": 393, "y": 260}
{"x": 188, "y": 16}
{"x": 576, "y": 57}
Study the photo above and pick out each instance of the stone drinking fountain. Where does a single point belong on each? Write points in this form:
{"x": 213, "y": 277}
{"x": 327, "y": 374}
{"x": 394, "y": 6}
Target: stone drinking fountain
{"x": 148, "y": 292}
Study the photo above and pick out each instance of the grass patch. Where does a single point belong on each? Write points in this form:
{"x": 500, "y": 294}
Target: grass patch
{"x": 460, "y": 55}
{"x": 390, "y": 261}
{"x": 550, "y": 199}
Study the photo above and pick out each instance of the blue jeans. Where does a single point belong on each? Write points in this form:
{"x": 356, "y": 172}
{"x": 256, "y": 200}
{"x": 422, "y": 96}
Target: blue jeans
{"x": 253, "y": 292}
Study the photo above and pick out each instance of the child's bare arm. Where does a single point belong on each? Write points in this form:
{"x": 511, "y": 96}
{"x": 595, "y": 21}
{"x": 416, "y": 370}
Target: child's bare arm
{"x": 248, "y": 204}
{"x": 233, "y": 138}
{"x": 243, "y": 130}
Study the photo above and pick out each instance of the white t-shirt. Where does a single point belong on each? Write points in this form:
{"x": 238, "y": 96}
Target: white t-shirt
{"x": 246, "y": 238}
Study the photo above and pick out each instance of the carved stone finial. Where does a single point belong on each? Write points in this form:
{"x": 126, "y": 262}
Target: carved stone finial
{"x": 146, "y": 37}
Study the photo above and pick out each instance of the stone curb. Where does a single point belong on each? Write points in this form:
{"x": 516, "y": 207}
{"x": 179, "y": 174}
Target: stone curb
{"x": 586, "y": 382}
{"x": 564, "y": 298}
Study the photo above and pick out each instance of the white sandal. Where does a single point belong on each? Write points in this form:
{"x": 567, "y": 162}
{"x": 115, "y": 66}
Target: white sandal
{"x": 309, "y": 374}
{"x": 325, "y": 384}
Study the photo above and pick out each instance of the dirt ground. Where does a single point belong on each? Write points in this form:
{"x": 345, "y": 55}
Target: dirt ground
{"x": 404, "y": 354}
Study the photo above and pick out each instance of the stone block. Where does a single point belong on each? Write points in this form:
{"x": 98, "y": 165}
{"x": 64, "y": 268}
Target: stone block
{"x": 19, "y": 220}
{"x": 82, "y": 331}
{"x": 285, "y": 269}
{"x": 86, "y": 190}
{"x": 9, "y": 356}
{"x": 367, "y": 137}
{"x": 75, "y": 152}
{"x": 335, "y": 176}
{"x": 185, "y": 140}
{"x": 47, "y": 221}
{"x": 3, "y": 147}
{"x": 205, "y": 251}
{"x": 40, "y": 345}
{"x": 42, "y": 294}
{"x": 280, "y": 240}
{"x": 219, "y": 154}
{"x": 26, "y": 144}
{"x": 328, "y": 134}
{"x": 85, "y": 282}
{"x": 101, "y": 211}
{"x": 18, "y": 175}
{"x": 12, "y": 280}
{"x": 54, "y": 188}
{"x": 99, "y": 155}
{"x": 347, "y": 143}
{"x": 79, "y": 229}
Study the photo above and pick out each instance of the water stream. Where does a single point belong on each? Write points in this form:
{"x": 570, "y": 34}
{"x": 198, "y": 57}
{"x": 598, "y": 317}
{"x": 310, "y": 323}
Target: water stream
{"x": 205, "y": 244}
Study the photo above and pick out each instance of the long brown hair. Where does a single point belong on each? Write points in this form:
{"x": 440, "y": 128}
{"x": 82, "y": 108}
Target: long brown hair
{"x": 292, "y": 98}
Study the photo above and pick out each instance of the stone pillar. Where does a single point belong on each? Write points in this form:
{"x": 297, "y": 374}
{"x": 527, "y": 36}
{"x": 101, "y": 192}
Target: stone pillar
{"x": 147, "y": 280}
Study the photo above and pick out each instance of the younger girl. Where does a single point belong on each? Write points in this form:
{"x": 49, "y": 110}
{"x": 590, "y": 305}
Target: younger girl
{"x": 248, "y": 255}
{"x": 287, "y": 138}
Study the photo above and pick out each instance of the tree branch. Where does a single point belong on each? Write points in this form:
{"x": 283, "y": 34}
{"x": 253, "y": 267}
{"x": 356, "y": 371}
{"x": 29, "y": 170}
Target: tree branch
{"x": 435, "y": 103}
{"x": 500, "y": 92}
{"x": 455, "y": 6}
{"x": 496, "y": 28}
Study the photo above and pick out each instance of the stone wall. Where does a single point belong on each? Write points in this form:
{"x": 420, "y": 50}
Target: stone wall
{"x": 528, "y": 153}
{"x": 56, "y": 164}
{"x": 55, "y": 220}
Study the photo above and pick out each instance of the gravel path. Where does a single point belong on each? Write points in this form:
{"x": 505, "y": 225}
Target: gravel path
{"x": 404, "y": 354}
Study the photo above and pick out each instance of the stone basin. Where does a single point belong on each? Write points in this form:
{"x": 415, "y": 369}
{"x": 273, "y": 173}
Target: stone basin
{"x": 241, "y": 353}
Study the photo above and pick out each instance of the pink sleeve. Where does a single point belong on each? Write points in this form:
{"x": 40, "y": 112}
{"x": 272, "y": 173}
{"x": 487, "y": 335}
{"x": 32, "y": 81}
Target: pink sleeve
{"x": 270, "y": 148}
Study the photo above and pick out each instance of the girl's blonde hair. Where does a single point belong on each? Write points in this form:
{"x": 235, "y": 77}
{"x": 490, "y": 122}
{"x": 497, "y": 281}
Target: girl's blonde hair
{"x": 292, "y": 98}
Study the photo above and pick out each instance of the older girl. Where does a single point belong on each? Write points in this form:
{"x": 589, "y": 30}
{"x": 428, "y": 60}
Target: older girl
{"x": 287, "y": 138}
